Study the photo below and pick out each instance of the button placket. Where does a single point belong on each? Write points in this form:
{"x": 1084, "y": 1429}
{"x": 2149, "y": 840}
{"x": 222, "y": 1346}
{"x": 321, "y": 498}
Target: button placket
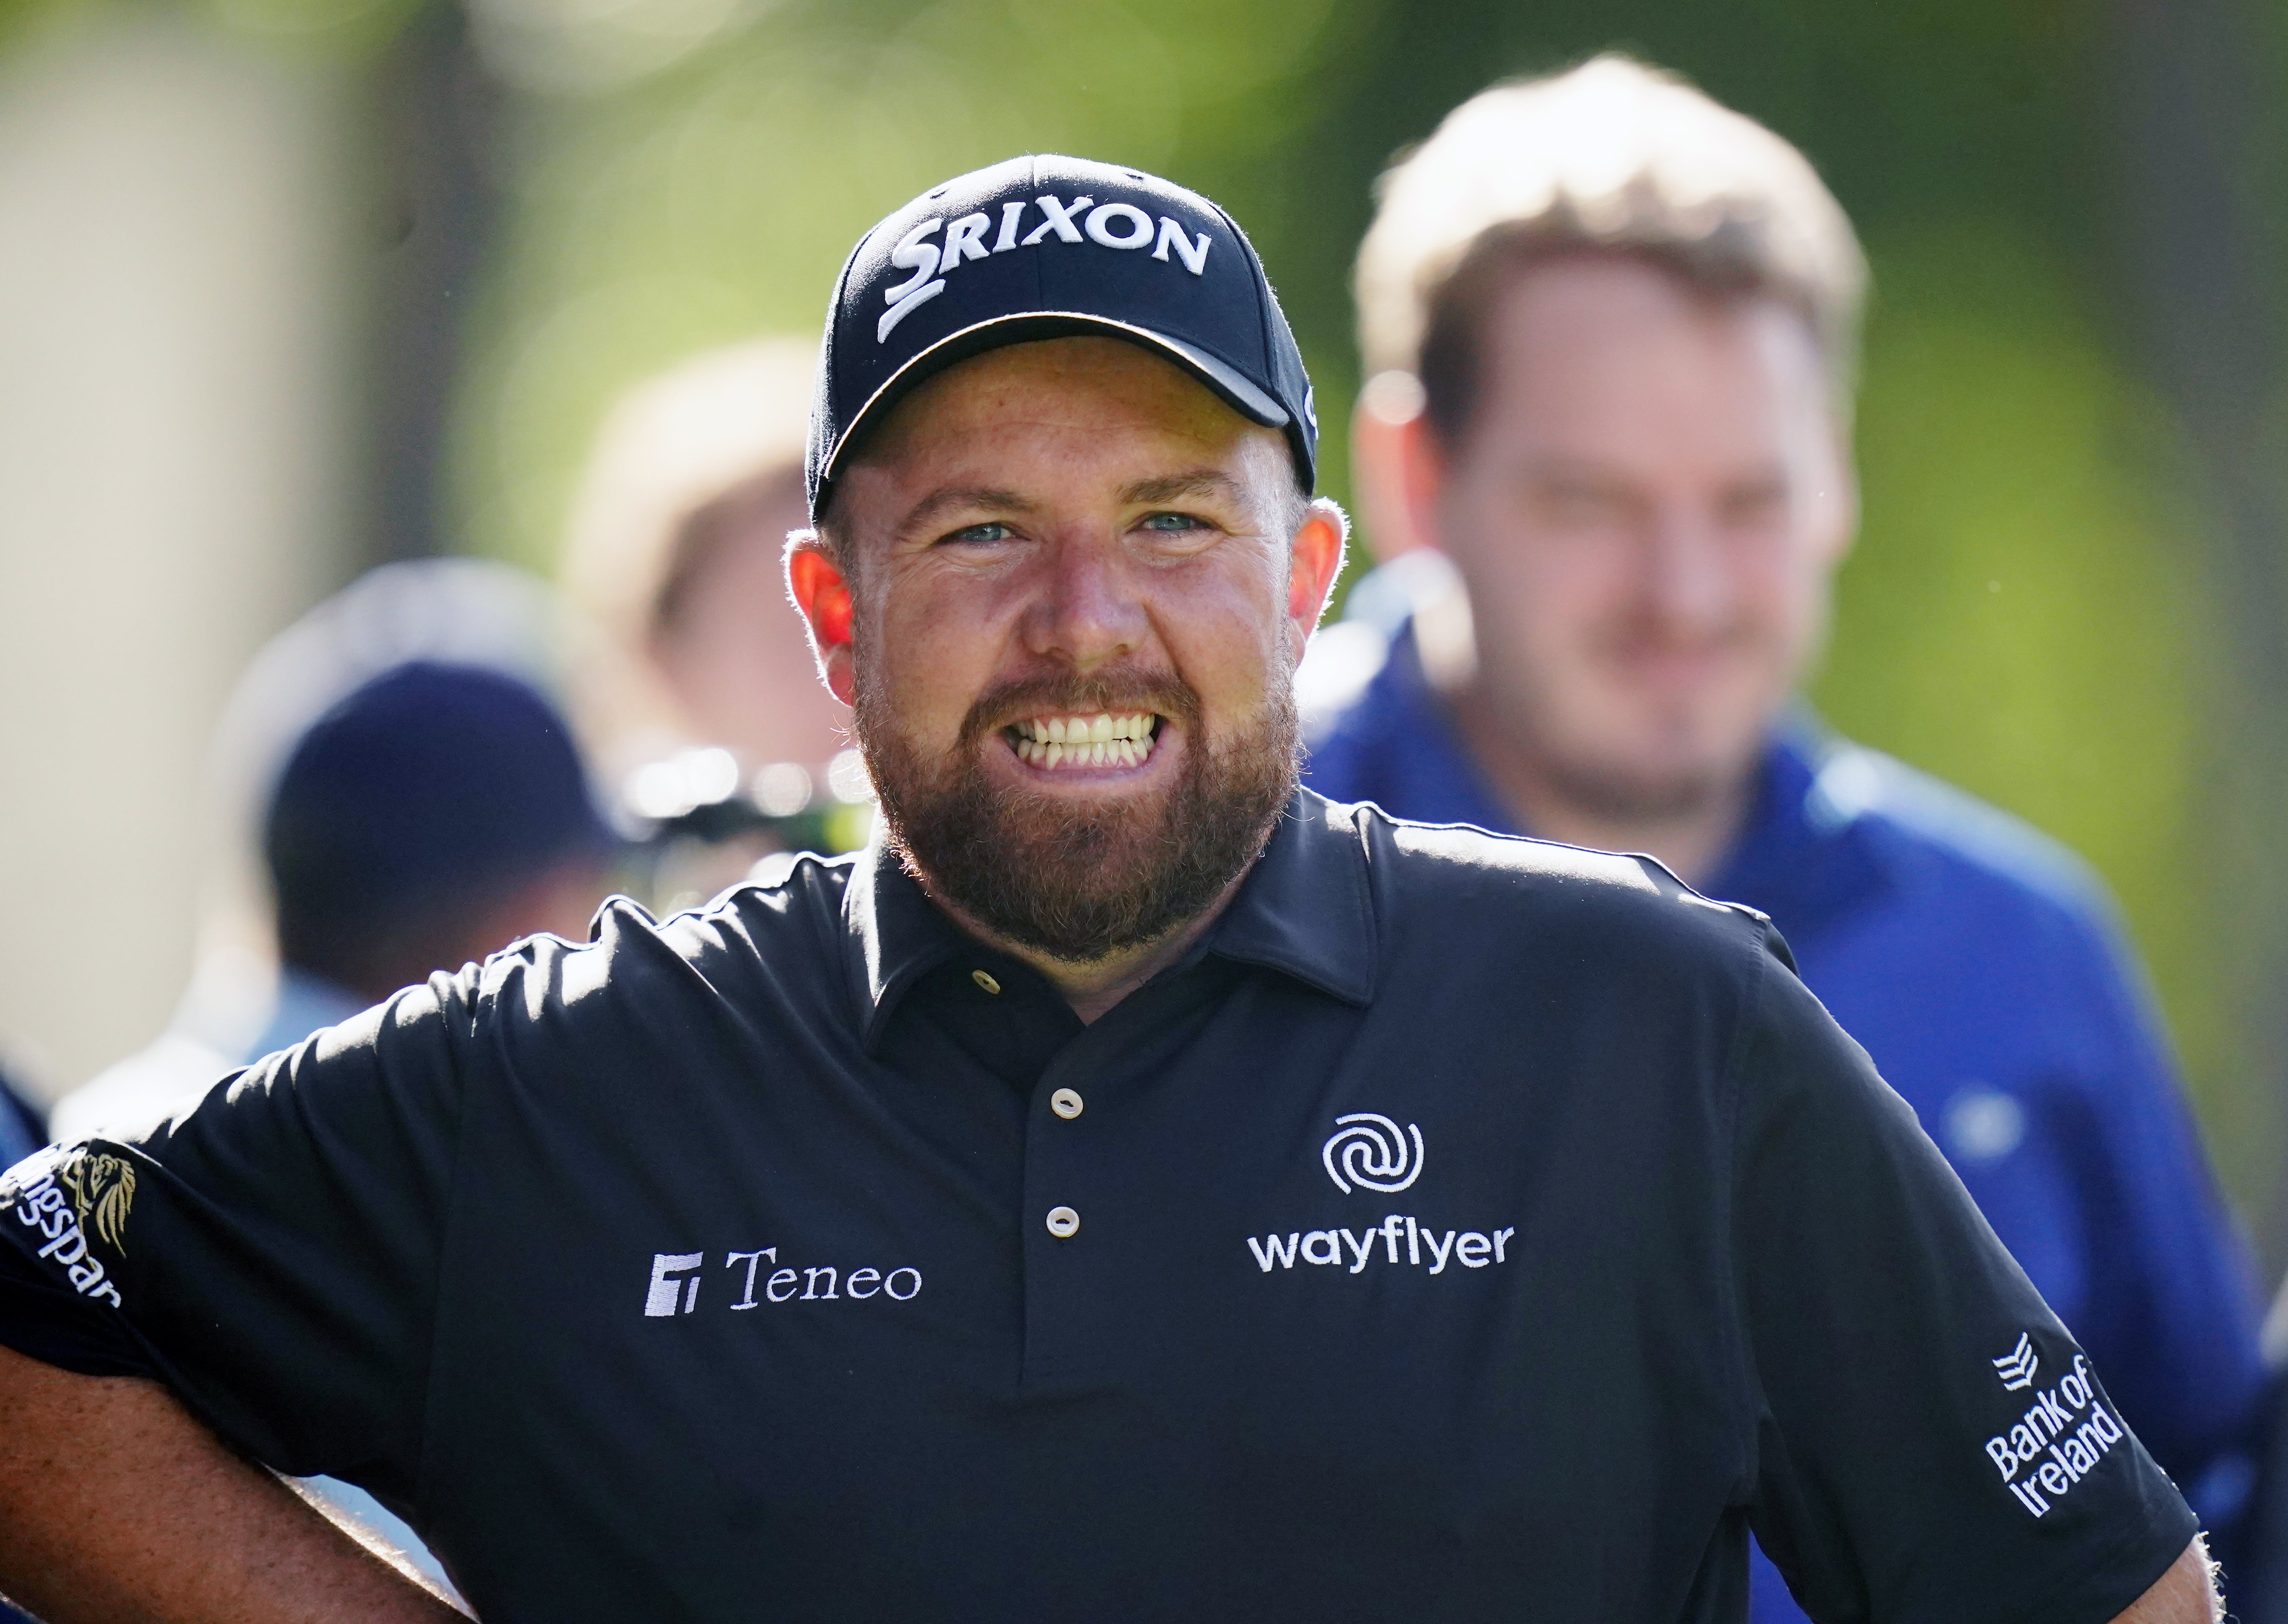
{"x": 1063, "y": 1267}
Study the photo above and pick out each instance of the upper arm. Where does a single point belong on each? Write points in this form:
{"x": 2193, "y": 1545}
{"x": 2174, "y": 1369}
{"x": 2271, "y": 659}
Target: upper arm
{"x": 1931, "y": 1442}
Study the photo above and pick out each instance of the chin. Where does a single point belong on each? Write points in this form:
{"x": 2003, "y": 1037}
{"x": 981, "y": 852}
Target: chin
{"x": 1664, "y": 778}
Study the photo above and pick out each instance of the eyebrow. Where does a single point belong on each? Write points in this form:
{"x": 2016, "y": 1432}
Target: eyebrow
{"x": 959, "y": 496}
{"x": 1198, "y": 482}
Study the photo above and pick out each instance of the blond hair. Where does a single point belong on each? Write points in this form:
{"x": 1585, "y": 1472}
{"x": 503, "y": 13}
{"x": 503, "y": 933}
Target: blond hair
{"x": 1612, "y": 157}
{"x": 676, "y": 459}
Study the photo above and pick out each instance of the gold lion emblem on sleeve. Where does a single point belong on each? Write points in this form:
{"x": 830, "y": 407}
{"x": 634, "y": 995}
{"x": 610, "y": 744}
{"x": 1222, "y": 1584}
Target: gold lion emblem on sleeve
{"x": 102, "y": 1188}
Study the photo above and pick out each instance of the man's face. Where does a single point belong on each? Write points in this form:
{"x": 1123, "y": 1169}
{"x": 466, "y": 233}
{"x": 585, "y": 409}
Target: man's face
{"x": 732, "y": 654}
{"x": 1074, "y": 626}
{"x": 1647, "y": 508}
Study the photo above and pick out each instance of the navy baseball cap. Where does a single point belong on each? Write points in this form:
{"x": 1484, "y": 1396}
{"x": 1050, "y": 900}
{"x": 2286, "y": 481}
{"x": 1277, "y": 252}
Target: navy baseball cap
{"x": 1048, "y": 247}
{"x": 433, "y": 781}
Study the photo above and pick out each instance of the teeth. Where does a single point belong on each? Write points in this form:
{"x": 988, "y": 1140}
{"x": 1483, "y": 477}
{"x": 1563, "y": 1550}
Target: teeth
{"x": 1086, "y": 742}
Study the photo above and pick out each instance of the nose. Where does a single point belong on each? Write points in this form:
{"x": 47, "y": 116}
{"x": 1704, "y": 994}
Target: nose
{"x": 1087, "y": 613}
{"x": 1687, "y": 579}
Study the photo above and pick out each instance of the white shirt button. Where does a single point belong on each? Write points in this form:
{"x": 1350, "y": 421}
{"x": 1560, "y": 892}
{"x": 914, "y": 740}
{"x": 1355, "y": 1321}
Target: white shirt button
{"x": 1064, "y": 1222}
{"x": 1066, "y": 1104}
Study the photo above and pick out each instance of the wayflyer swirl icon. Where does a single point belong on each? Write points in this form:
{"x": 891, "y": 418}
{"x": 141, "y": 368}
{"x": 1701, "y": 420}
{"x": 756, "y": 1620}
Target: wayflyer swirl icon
{"x": 1370, "y": 1152}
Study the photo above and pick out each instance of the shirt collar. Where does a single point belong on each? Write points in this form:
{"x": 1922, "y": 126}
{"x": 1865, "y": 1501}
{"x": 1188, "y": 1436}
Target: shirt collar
{"x": 1804, "y": 856}
{"x": 1303, "y": 910}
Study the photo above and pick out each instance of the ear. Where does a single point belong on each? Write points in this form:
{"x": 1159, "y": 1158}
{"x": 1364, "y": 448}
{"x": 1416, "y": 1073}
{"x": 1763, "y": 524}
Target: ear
{"x": 823, "y": 594}
{"x": 1316, "y": 558}
{"x": 1395, "y": 467}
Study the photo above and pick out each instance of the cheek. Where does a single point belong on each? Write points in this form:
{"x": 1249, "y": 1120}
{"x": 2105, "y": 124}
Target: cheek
{"x": 1781, "y": 588}
{"x": 1548, "y": 594}
{"x": 928, "y": 653}
{"x": 1227, "y": 632}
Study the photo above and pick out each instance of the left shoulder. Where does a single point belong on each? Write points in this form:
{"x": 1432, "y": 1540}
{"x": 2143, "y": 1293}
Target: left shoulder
{"x": 1471, "y": 889}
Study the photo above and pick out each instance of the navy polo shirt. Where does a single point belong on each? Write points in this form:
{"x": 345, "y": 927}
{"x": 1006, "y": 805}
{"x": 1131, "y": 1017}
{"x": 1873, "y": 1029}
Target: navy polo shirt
{"x": 1467, "y": 1228}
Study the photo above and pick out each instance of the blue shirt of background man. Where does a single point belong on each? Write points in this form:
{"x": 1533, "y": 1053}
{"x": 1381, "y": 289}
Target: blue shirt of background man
{"x": 1978, "y": 963}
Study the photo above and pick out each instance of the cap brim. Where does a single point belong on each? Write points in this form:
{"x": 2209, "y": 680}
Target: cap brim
{"x": 1235, "y": 390}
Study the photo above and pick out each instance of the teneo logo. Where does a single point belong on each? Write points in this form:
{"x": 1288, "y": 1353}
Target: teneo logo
{"x": 1370, "y": 1152}
{"x": 2057, "y": 1442}
{"x": 1115, "y": 226}
{"x": 2017, "y": 1367}
{"x": 676, "y": 1278}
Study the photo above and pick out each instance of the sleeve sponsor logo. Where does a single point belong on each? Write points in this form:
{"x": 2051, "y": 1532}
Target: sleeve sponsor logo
{"x": 2017, "y": 1367}
{"x": 1120, "y": 226}
{"x": 2057, "y": 1442}
{"x": 676, "y": 1279}
{"x": 1368, "y": 1150}
{"x": 81, "y": 1190}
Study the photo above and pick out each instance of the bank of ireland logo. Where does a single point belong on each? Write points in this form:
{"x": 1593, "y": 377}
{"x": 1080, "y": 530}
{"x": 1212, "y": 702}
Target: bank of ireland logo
{"x": 2017, "y": 1367}
{"x": 1368, "y": 1150}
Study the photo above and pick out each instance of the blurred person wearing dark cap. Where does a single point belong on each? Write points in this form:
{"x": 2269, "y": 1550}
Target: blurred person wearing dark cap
{"x": 432, "y": 815}
{"x": 437, "y": 814}
{"x": 487, "y": 634}
{"x": 887, "y": 1241}
{"x": 1610, "y": 330}
{"x": 696, "y": 694}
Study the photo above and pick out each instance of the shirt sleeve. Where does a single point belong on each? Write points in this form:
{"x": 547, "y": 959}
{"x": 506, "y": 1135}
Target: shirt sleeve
{"x": 272, "y": 1255}
{"x": 1931, "y": 1443}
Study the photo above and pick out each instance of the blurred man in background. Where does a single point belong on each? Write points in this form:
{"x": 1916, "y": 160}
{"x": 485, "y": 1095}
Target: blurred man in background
{"x": 434, "y": 814}
{"x": 391, "y": 792}
{"x": 1610, "y": 331}
{"x": 697, "y": 695}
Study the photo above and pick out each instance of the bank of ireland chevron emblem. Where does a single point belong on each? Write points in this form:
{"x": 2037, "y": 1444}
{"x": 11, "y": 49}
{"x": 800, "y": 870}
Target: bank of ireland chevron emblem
{"x": 2017, "y": 1367}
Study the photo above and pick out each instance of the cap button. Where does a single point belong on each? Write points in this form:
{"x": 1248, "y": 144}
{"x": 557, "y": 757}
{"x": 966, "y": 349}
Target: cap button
{"x": 985, "y": 981}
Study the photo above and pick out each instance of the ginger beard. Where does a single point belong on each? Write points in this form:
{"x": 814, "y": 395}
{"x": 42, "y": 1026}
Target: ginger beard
{"x": 1082, "y": 880}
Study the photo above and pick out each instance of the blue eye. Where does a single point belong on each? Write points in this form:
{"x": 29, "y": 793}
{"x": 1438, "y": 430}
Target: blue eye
{"x": 994, "y": 530}
{"x": 1173, "y": 523}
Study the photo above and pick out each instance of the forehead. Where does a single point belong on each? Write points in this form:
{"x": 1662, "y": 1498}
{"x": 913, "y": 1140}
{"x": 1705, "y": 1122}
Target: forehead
{"x": 1071, "y": 403}
{"x": 1595, "y": 347}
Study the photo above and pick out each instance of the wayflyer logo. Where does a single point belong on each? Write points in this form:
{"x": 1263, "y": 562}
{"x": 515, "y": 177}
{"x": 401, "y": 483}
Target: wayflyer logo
{"x": 1368, "y": 1150}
